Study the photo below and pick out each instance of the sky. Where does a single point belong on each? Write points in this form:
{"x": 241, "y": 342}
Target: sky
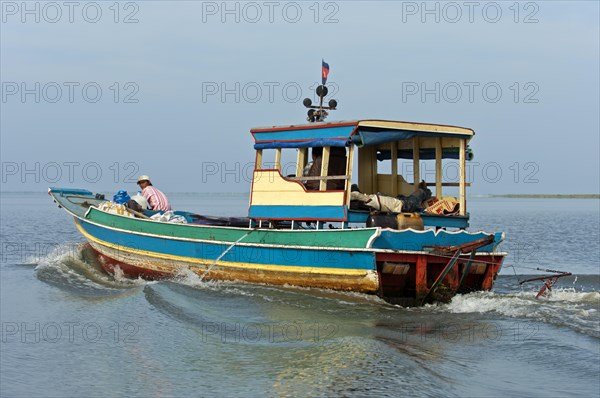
{"x": 95, "y": 93}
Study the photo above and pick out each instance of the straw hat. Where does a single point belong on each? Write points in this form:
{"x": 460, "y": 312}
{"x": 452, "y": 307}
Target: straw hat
{"x": 143, "y": 178}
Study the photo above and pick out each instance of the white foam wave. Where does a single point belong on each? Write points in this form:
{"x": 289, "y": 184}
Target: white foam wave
{"x": 59, "y": 258}
{"x": 186, "y": 276}
{"x": 571, "y": 295}
{"x": 568, "y": 307}
{"x": 270, "y": 292}
{"x": 75, "y": 264}
{"x": 511, "y": 304}
{"x": 120, "y": 277}
{"x": 64, "y": 251}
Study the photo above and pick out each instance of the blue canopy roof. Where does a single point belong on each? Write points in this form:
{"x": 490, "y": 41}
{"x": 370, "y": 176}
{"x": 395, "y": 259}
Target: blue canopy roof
{"x": 360, "y": 132}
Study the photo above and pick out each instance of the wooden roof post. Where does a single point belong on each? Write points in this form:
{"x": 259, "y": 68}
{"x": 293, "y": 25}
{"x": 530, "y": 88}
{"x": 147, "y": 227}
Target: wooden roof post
{"x": 438, "y": 167}
{"x": 417, "y": 173}
{"x": 278, "y": 159}
{"x": 349, "y": 167}
{"x": 463, "y": 171}
{"x": 301, "y": 161}
{"x": 259, "y": 156}
{"x": 367, "y": 171}
{"x": 374, "y": 172}
{"x": 394, "y": 158}
{"x": 324, "y": 168}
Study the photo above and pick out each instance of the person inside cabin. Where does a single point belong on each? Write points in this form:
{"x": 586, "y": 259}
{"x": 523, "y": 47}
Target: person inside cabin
{"x": 416, "y": 200}
{"x": 337, "y": 167}
{"x": 156, "y": 199}
{"x": 309, "y": 170}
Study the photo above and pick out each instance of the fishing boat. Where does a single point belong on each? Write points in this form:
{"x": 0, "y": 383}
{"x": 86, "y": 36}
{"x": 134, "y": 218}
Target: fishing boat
{"x": 308, "y": 229}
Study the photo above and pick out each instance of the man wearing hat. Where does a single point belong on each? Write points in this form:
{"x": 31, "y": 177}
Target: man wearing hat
{"x": 156, "y": 199}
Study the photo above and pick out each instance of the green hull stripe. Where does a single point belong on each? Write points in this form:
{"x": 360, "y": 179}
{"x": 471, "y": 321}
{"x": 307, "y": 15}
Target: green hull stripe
{"x": 323, "y": 238}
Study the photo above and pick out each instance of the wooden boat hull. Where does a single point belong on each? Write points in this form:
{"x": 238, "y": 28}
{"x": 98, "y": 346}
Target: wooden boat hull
{"x": 135, "y": 262}
{"x": 397, "y": 265}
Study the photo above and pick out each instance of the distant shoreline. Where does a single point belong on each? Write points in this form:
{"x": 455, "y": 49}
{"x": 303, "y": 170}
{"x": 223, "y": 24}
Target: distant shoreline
{"x": 549, "y": 196}
{"x": 510, "y": 195}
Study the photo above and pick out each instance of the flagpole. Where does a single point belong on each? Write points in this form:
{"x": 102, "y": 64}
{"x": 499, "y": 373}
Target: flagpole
{"x": 323, "y": 84}
{"x": 318, "y": 113}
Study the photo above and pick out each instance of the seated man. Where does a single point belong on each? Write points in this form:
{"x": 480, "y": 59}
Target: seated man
{"x": 156, "y": 199}
{"x": 337, "y": 167}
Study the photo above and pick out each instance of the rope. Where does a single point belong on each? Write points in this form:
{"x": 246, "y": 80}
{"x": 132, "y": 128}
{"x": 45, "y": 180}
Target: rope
{"x": 224, "y": 253}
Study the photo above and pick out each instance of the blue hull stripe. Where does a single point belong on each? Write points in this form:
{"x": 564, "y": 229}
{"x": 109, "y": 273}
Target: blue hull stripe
{"x": 298, "y": 212}
{"x": 242, "y": 254}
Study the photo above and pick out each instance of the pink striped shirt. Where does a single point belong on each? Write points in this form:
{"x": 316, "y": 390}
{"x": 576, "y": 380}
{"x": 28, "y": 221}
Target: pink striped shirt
{"x": 156, "y": 199}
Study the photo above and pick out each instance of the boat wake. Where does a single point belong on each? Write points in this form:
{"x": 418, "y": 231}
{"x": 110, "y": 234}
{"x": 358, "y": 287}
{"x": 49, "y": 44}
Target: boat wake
{"x": 75, "y": 268}
{"x": 566, "y": 307}
{"x": 288, "y": 294}
{"x": 186, "y": 277}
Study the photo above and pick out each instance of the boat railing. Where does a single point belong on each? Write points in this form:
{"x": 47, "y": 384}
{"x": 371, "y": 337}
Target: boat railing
{"x": 448, "y": 184}
{"x": 318, "y": 178}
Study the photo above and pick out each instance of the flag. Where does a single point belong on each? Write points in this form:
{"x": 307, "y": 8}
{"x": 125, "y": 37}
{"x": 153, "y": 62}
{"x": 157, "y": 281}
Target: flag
{"x": 324, "y": 72}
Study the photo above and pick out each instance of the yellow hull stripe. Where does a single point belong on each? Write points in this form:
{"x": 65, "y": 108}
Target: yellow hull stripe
{"x": 246, "y": 266}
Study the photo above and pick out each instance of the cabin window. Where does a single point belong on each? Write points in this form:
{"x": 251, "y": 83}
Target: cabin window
{"x": 315, "y": 167}
{"x": 397, "y": 168}
{"x": 325, "y": 165}
{"x": 282, "y": 159}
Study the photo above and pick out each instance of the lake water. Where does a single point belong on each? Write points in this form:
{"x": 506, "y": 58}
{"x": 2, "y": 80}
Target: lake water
{"x": 70, "y": 330}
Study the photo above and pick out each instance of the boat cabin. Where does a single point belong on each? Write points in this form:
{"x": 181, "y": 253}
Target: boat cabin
{"x": 364, "y": 152}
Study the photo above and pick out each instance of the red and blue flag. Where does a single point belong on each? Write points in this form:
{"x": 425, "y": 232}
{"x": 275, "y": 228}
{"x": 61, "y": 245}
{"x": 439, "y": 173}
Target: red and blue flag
{"x": 324, "y": 72}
